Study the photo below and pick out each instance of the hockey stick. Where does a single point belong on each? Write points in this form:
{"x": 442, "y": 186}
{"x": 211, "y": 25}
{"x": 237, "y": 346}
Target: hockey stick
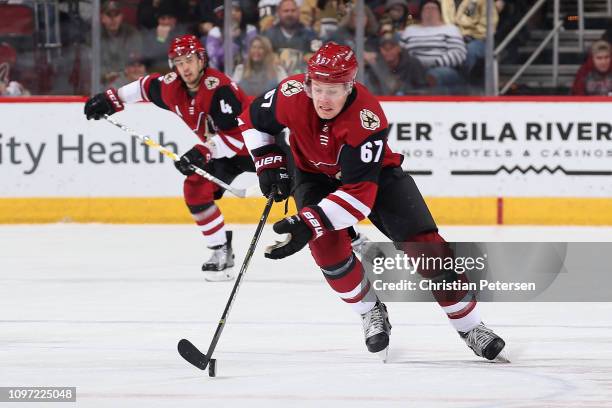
{"x": 190, "y": 352}
{"x": 238, "y": 192}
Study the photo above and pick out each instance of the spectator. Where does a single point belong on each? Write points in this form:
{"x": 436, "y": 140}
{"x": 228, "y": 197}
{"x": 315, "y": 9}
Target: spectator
{"x": 250, "y": 12}
{"x": 242, "y": 34}
{"x": 189, "y": 13}
{"x": 438, "y": 46}
{"x": 157, "y": 41}
{"x": 291, "y": 40}
{"x": 396, "y": 17}
{"x": 209, "y": 17}
{"x": 595, "y": 75}
{"x": 395, "y": 71}
{"x": 345, "y": 34}
{"x": 471, "y": 18}
{"x": 322, "y": 16}
{"x": 147, "y": 13}
{"x": 8, "y": 87}
{"x": 260, "y": 72}
{"x": 134, "y": 69}
{"x": 118, "y": 40}
{"x": 192, "y": 16}
{"x": 267, "y": 11}
{"x": 607, "y": 35}
{"x": 310, "y": 12}
{"x": 8, "y": 58}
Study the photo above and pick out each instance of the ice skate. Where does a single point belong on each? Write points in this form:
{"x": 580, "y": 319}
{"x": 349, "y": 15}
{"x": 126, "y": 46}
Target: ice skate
{"x": 367, "y": 253}
{"x": 219, "y": 266}
{"x": 377, "y": 329}
{"x": 485, "y": 343}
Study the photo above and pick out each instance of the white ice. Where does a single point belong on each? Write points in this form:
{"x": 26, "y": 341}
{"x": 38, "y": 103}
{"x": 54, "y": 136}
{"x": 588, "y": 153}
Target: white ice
{"x": 102, "y": 307}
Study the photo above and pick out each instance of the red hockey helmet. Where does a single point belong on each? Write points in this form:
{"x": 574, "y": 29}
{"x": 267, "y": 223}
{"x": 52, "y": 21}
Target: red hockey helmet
{"x": 333, "y": 63}
{"x": 185, "y": 45}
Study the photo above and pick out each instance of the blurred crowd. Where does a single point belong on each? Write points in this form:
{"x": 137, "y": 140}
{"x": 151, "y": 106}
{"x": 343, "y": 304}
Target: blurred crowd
{"x": 412, "y": 47}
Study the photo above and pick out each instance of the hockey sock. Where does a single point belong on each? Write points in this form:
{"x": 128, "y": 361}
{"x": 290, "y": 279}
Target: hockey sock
{"x": 212, "y": 225}
{"x": 349, "y": 281}
{"x": 460, "y": 306}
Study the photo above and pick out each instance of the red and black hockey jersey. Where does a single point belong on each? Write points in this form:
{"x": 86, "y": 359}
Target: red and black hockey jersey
{"x": 352, "y": 146}
{"x": 217, "y": 104}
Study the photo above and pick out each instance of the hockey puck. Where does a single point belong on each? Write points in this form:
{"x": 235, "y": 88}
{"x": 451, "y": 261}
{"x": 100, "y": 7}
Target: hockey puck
{"x": 212, "y": 368}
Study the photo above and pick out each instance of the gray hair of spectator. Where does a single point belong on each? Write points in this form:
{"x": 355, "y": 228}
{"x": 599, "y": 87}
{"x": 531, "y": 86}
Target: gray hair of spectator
{"x": 269, "y": 58}
{"x": 600, "y": 46}
{"x": 372, "y": 25}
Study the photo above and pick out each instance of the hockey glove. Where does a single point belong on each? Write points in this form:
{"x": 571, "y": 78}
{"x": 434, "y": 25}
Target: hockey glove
{"x": 105, "y": 103}
{"x": 302, "y": 227}
{"x": 198, "y": 155}
{"x": 271, "y": 167}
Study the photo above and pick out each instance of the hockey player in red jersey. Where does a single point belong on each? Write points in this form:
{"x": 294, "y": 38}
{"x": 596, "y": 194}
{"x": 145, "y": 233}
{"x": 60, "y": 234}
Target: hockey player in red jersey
{"x": 345, "y": 172}
{"x": 200, "y": 96}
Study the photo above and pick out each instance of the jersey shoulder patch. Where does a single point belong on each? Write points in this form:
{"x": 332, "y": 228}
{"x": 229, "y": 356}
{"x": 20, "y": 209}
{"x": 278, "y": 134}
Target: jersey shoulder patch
{"x": 292, "y": 87}
{"x": 211, "y": 82}
{"x": 170, "y": 77}
{"x": 369, "y": 120}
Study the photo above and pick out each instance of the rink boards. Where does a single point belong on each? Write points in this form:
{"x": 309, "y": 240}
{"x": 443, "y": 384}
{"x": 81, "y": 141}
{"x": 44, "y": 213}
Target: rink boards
{"x": 476, "y": 160}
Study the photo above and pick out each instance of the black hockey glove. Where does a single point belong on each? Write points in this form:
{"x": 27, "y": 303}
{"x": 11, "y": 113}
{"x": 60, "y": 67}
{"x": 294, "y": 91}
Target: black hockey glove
{"x": 105, "y": 103}
{"x": 271, "y": 167}
{"x": 301, "y": 227}
{"x": 198, "y": 155}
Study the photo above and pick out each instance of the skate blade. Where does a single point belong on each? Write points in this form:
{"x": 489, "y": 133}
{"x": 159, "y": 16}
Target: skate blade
{"x": 219, "y": 276}
{"x": 383, "y": 355}
{"x": 503, "y": 357}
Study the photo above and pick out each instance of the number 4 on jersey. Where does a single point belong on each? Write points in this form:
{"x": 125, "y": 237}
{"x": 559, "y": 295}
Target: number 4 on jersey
{"x": 367, "y": 151}
{"x": 226, "y": 107}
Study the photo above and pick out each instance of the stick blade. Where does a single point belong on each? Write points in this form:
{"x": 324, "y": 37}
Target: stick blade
{"x": 191, "y": 353}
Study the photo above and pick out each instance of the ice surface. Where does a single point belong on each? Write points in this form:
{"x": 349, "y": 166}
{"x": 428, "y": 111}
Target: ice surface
{"x": 102, "y": 307}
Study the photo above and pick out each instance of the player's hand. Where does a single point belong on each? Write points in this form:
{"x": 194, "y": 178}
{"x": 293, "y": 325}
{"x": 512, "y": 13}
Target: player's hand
{"x": 301, "y": 227}
{"x": 198, "y": 155}
{"x": 271, "y": 167}
{"x": 105, "y": 103}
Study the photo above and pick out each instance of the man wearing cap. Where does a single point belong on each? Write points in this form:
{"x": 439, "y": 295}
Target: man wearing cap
{"x": 394, "y": 71}
{"x": 118, "y": 41}
{"x": 133, "y": 70}
{"x": 397, "y": 16}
